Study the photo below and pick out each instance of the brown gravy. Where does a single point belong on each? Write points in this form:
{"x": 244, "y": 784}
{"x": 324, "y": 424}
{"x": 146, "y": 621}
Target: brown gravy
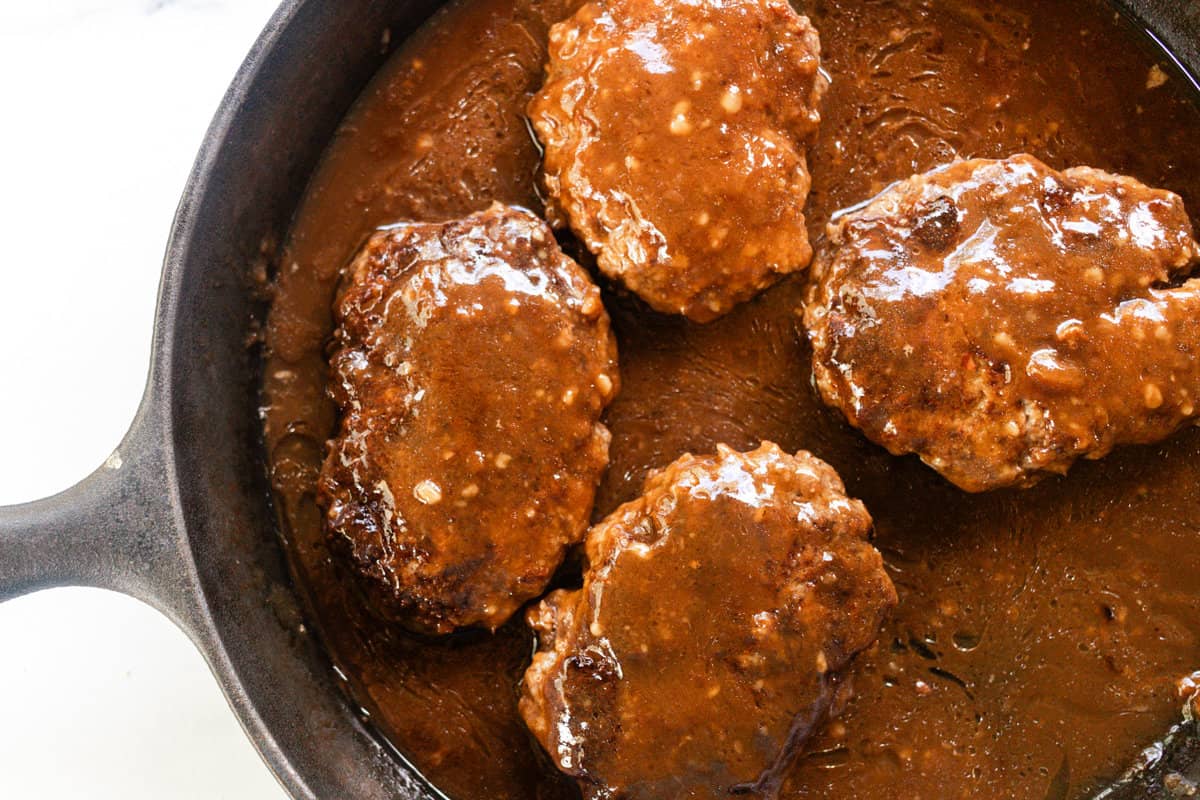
{"x": 1040, "y": 633}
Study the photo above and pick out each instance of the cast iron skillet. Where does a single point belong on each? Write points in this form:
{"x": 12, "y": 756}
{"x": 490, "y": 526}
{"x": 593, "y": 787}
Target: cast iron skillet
{"x": 180, "y": 515}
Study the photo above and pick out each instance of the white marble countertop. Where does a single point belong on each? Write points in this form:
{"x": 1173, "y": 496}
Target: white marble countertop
{"x": 106, "y": 102}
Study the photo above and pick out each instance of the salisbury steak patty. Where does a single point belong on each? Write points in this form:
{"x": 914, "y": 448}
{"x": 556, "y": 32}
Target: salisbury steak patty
{"x": 1002, "y": 319}
{"x": 674, "y": 137}
{"x": 715, "y": 614}
{"x": 472, "y": 362}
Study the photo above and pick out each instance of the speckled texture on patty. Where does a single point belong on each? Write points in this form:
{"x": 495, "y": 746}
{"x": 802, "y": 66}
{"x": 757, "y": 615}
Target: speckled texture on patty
{"x": 473, "y": 360}
{"x": 674, "y": 138}
{"x": 705, "y": 645}
{"x": 1002, "y": 319}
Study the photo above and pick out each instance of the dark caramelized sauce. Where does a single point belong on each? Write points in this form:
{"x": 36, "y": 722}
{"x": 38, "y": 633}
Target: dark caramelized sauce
{"x": 1040, "y": 633}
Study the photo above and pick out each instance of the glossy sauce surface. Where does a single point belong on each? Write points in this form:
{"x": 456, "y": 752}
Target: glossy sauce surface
{"x": 674, "y": 137}
{"x": 473, "y": 362}
{"x": 1040, "y": 633}
{"x": 708, "y": 640}
{"x": 1002, "y": 319}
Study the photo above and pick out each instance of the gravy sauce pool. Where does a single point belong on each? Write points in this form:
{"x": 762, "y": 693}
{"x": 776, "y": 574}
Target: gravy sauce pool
{"x": 1040, "y": 633}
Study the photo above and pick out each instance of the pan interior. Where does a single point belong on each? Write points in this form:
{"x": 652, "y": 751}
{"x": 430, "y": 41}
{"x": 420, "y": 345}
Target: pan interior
{"x": 1040, "y": 633}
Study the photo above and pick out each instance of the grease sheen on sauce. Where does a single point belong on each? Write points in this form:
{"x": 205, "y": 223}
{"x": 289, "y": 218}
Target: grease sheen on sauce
{"x": 1040, "y": 633}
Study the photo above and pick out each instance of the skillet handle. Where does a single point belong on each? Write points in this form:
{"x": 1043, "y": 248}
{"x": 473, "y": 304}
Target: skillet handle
{"x": 116, "y": 529}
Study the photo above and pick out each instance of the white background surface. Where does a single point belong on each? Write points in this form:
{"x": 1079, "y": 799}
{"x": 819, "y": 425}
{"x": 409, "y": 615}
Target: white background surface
{"x": 105, "y": 103}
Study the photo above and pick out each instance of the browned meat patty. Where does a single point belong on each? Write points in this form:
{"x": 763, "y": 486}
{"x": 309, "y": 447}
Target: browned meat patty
{"x": 715, "y": 615}
{"x": 473, "y": 361}
{"x": 1001, "y": 319}
{"x": 674, "y": 138}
